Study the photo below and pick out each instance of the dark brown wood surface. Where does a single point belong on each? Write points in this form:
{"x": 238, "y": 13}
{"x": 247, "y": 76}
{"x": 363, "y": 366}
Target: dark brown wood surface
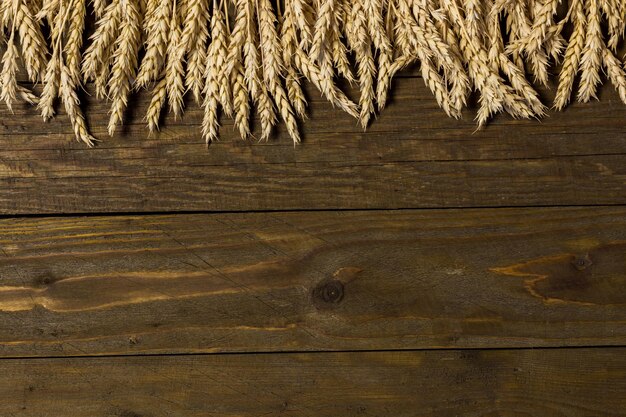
{"x": 411, "y": 157}
{"x": 563, "y": 383}
{"x": 359, "y": 280}
{"x": 257, "y": 279}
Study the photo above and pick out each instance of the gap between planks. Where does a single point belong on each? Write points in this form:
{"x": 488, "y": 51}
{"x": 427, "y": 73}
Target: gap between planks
{"x": 317, "y": 352}
{"x": 279, "y": 211}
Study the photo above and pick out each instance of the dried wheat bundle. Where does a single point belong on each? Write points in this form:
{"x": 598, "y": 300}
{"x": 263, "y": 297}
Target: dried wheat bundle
{"x": 239, "y": 57}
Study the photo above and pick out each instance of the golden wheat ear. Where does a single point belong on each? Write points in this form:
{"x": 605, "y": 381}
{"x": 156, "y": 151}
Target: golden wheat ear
{"x": 237, "y": 57}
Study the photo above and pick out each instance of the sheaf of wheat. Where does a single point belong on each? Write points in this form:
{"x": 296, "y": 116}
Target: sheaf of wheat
{"x": 248, "y": 59}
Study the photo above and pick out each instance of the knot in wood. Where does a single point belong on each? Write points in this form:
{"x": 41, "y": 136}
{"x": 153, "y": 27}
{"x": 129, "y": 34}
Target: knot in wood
{"x": 331, "y": 291}
{"x": 582, "y": 262}
{"x": 44, "y": 280}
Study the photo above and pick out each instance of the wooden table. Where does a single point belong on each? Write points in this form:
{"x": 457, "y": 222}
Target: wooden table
{"x": 416, "y": 269}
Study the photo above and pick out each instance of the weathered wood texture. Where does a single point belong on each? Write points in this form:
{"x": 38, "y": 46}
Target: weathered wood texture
{"x": 555, "y": 383}
{"x": 412, "y": 156}
{"x": 313, "y": 281}
{"x": 316, "y": 281}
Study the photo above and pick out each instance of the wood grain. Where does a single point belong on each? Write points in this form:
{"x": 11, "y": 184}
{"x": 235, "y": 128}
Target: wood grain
{"x": 556, "y": 383}
{"x": 411, "y": 157}
{"x": 154, "y": 293}
{"x": 313, "y": 281}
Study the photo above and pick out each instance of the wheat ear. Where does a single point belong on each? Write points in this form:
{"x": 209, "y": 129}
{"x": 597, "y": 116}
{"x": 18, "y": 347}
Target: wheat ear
{"x": 31, "y": 40}
{"x": 72, "y": 103}
{"x": 272, "y": 67}
{"x": 159, "y": 96}
{"x": 615, "y": 72}
{"x": 156, "y": 28}
{"x": 194, "y": 38}
{"x": 174, "y": 69}
{"x": 99, "y": 52}
{"x": 573, "y": 54}
{"x": 8, "y": 81}
{"x": 590, "y": 62}
{"x": 124, "y": 62}
{"x": 289, "y": 43}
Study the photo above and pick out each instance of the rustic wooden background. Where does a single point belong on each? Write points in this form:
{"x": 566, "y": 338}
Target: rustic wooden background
{"x": 417, "y": 269}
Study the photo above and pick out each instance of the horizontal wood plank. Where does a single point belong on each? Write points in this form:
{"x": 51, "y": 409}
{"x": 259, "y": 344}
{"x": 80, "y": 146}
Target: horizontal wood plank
{"x": 558, "y": 383}
{"x": 313, "y": 281}
{"x": 411, "y": 157}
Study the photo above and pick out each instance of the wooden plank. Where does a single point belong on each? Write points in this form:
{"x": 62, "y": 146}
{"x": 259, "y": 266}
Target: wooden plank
{"x": 412, "y": 157}
{"x": 313, "y": 281}
{"x": 570, "y": 382}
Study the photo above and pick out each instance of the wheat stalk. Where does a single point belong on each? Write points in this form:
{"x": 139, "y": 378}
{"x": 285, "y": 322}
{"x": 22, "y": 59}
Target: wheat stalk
{"x": 374, "y": 11}
{"x": 615, "y": 12}
{"x": 174, "y": 69}
{"x": 289, "y": 43}
{"x": 27, "y": 95}
{"x": 543, "y": 13}
{"x": 74, "y": 40}
{"x": 295, "y": 93}
{"x": 323, "y": 60}
{"x": 250, "y": 50}
{"x": 500, "y": 61}
{"x": 590, "y": 62}
{"x": 194, "y": 38}
{"x": 523, "y": 46}
{"x": 241, "y": 101}
{"x": 159, "y": 97}
{"x": 446, "y": 57}
{"x": 49, "y": 9}
{"x": 50, "y": 92}
{"x": 573, "y": 55}
{"x": 304, "y": 16}
{"x": 494, "y": 33}
{"x": 338, "y": 48}
{"x": 235, "y": 67}
{"x": 415, "y": 39}
{"x": 8, "y": 82}
{"x": 360, "y": 43}
{"x": 31, "y": 41}
{"x": 322, "y": 27}
{"x": 615, "y": 71}
{"x": 98, "y": 53}
{"x": 313, "y": 74}
{"x": 99, "y": 6}
{"x": 124, "y": 62}
{"x": 72, "y": 103}
{"x": 495, "y": 94}
{"x": 214, "y": 73}
{"x": 7, "y": 12}
{"x": 555, "y": 42}
{"x": 65, "y": 79}
{"x": 273, "y": 66}
{"x": 220, "y": 42}
{"x": 157, "y": 27}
